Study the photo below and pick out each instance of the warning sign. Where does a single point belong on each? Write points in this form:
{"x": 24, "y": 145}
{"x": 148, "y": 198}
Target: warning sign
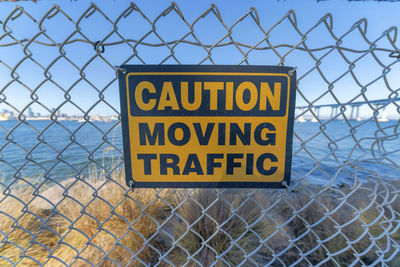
{"x": 207, "y": 126}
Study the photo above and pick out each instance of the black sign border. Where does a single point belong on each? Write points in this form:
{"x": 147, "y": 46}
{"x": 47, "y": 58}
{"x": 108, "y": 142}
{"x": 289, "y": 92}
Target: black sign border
{"x": 205, "y": 68}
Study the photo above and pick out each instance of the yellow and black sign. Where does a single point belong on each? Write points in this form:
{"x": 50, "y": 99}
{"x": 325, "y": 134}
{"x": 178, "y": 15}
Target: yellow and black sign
{"x": 207, "y": 126}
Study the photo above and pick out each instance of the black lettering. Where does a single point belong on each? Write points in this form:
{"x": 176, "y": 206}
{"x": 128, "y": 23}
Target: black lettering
{"x": 221, "y": 134}
{"x": 235, "y": 131}
{"x": 192, "y": 159}
{"x": 172, "y": 132}
{"x": 147, "y": 162}
{"x": 164, "y": 164}
{"x": 203, "y": 139}
{"x": 211, "y": 164}
{"x": 260, "y": 164}
{"x": 270, "y": 137}
{"x": 144, "y": 132}
{"x": 249, "y": 163}
{"x": 230, "y": 162}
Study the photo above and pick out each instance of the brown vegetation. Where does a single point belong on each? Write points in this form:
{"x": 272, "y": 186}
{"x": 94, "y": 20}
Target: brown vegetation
{"x": 98, "y": 221}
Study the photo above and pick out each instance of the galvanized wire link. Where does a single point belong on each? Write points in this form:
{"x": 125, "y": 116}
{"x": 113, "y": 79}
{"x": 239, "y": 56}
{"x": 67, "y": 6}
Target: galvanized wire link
{"x": 63, "y": 198}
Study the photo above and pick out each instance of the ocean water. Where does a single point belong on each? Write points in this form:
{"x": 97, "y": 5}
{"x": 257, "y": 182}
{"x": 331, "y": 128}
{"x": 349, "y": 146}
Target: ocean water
{"x": 332, "y": 152}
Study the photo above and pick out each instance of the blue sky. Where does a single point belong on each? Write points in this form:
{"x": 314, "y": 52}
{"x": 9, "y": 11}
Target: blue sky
{"x": 381, "y": 16}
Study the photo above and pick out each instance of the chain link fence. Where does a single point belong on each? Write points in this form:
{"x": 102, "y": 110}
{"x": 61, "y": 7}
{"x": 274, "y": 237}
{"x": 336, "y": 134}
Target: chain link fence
{"x": 63, "y": 198}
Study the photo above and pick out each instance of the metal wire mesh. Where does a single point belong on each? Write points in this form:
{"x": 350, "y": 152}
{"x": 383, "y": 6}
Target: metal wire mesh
{"x": 64, "y": 201}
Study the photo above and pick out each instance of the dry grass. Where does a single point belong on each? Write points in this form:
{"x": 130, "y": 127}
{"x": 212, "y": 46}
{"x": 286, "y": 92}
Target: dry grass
{"x": 230, "y": 224}
{"x": 99, "y": 222}
{"x": 83, "y": 224}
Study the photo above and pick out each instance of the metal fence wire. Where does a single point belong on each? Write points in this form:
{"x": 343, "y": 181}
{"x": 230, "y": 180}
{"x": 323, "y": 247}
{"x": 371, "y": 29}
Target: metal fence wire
{"x": 64, "y": 201}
